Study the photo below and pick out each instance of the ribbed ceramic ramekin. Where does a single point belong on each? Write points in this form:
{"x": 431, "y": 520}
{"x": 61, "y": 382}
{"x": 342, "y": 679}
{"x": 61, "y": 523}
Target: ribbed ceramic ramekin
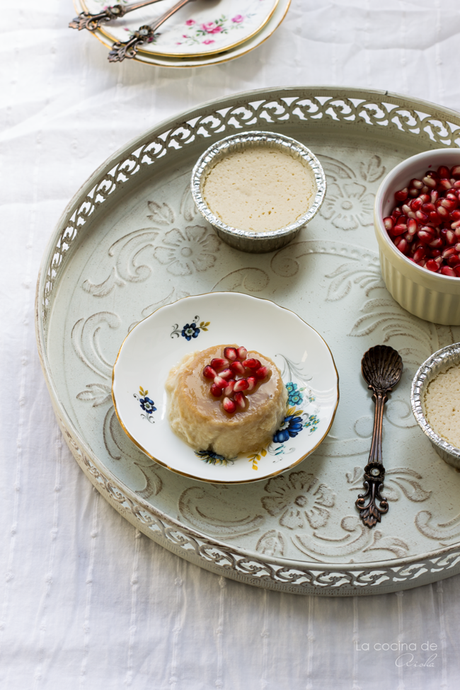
{"x": 431, "y": 296}
{"x": 245, "y": 240}
{"x": 439, "y": 361}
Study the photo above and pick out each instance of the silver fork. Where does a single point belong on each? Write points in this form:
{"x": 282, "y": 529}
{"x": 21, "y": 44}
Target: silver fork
{"x": 128, "y": 49}
{"x": 85, "y": 20}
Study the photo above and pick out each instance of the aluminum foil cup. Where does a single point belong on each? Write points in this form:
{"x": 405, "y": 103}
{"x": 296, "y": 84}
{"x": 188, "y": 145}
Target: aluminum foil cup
{"x": 438, "y": 362}
{"x": 246, "y": 240}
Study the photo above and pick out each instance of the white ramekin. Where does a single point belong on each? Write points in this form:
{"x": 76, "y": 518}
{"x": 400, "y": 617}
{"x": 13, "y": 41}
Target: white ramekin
{"x": 431, "y": 296}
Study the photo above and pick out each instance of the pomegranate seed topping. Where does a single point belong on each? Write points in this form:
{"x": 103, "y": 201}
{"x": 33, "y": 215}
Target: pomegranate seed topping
{"x": 251, "y": 363}
{"x": 219, "y": 381}
{"x": 228, "y": 405}
{"x": 209, "y": 373}
{"x": 455, "y": 172}
{"x": 230, "y": 354}
{"x": 219, "y": 363}
{"x": 240, "y": 385}
{"x": 262, "y": 372}
{"x": 237, "y": 368}
{"x": 242, "y": 353}
{"x": 251, "y": 382}
{"x": 418, "y": 184}
{"x": 240, "y": 400}
{"x": 216, "y": 390}
{"x": 228, "y": 390}
{"x": 226, "y": 374}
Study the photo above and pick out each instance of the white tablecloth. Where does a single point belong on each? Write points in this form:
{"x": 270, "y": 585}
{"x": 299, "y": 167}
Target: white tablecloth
{"x": 86, "y": 601}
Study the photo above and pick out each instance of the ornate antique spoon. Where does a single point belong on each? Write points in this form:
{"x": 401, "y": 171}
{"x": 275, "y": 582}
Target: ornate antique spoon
{"x": 128, "y": 49}
{"x": 85, "y": 20}
{"x": 382, "y": 369}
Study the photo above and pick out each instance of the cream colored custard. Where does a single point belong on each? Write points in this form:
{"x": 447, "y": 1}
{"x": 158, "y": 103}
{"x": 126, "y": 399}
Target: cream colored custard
{"x": 442, "y": 405}
{"x": 259, "y": 189}
{"x": 199, "y": 419}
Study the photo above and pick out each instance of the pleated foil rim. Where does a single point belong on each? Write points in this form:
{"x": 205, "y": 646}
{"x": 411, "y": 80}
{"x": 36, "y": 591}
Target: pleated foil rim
{"x": 239, "y": 142}
{"x": 437, "y": 363}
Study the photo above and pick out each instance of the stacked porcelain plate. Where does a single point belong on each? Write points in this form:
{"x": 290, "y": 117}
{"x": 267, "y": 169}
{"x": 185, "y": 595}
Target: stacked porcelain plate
{"x": 203, "y": 32}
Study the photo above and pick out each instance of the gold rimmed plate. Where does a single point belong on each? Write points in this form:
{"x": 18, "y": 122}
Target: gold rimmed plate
{"x": 146, "y": 55}
{"x": 201, "y": 28}
{"x": 161, "y": 340}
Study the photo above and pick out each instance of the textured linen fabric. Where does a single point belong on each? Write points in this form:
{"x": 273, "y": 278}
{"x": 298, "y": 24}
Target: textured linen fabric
{"x": 86, "y": 601}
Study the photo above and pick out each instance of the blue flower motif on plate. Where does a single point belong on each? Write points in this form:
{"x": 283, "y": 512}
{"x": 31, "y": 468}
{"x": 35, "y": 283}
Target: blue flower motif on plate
{"x": 290, "y": 427}
{"x": 147, "y": 405}
{"x": 190, "y": 330}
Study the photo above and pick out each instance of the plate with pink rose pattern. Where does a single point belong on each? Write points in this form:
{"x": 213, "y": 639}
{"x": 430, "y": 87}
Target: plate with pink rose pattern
{"x": 204, "y": 27}
{"x": 194, "y": 323}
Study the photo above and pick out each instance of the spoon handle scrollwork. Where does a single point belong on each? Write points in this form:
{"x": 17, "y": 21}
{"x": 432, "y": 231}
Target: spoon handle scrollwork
{"x": 372, "y": 505}
{"x": 91, "y": 22}
{"x": 128, "y": 49}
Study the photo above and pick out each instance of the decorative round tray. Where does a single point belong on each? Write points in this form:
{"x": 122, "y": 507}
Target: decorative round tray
{"x": 131, "y": 241}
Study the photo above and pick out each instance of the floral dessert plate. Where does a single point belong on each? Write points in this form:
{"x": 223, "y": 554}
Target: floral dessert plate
{"x": 161, "y": 340}
{"x": 201, "y": 28}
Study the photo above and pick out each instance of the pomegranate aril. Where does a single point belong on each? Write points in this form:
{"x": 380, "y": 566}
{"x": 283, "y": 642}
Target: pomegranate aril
{"x": 251, "y": 363}
{"x": 402, "y": 245}
{"x": 230, "y": 354}
{"x": 421, "y": 216}
{"x": 457, "y": 271}
{"x": 444, "y": 184}
{"x": 455, "y": 215}
{"x": 241, "y": 385}
{"x": 209, "y": 372}
{"x": 432, "y": 265}
{"x": 455, "y": 172}
{"x": 251, "y": 382}
{"x": 443, "y": 171}
{"x": 388, "y": 223}
{"x": 262, "y": 372}
{"x": 419, "y": 254}
{"x": 448, "y": 271}
{"x": 219, "y": 363}
{"x": 401, "y": 194}
{"x": 425, "y": 235}
{"x": 240, "y": 400}
{"x": 437, "y": 243}
{"x": 219, "y": 381}
{"x": 226, "y": 374}
{"x": 237, "y": 368}
{"x": 412, "y": 226}
{"x": 429, "y": 181}
{"x": 228, "y": 405}
{"x": 242, "y": 353}
{"x": 418, "y": 184}
{"x": 434, "y": 218}
{"x": 228, "y": 390}
{"x": 216, "y": 390}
